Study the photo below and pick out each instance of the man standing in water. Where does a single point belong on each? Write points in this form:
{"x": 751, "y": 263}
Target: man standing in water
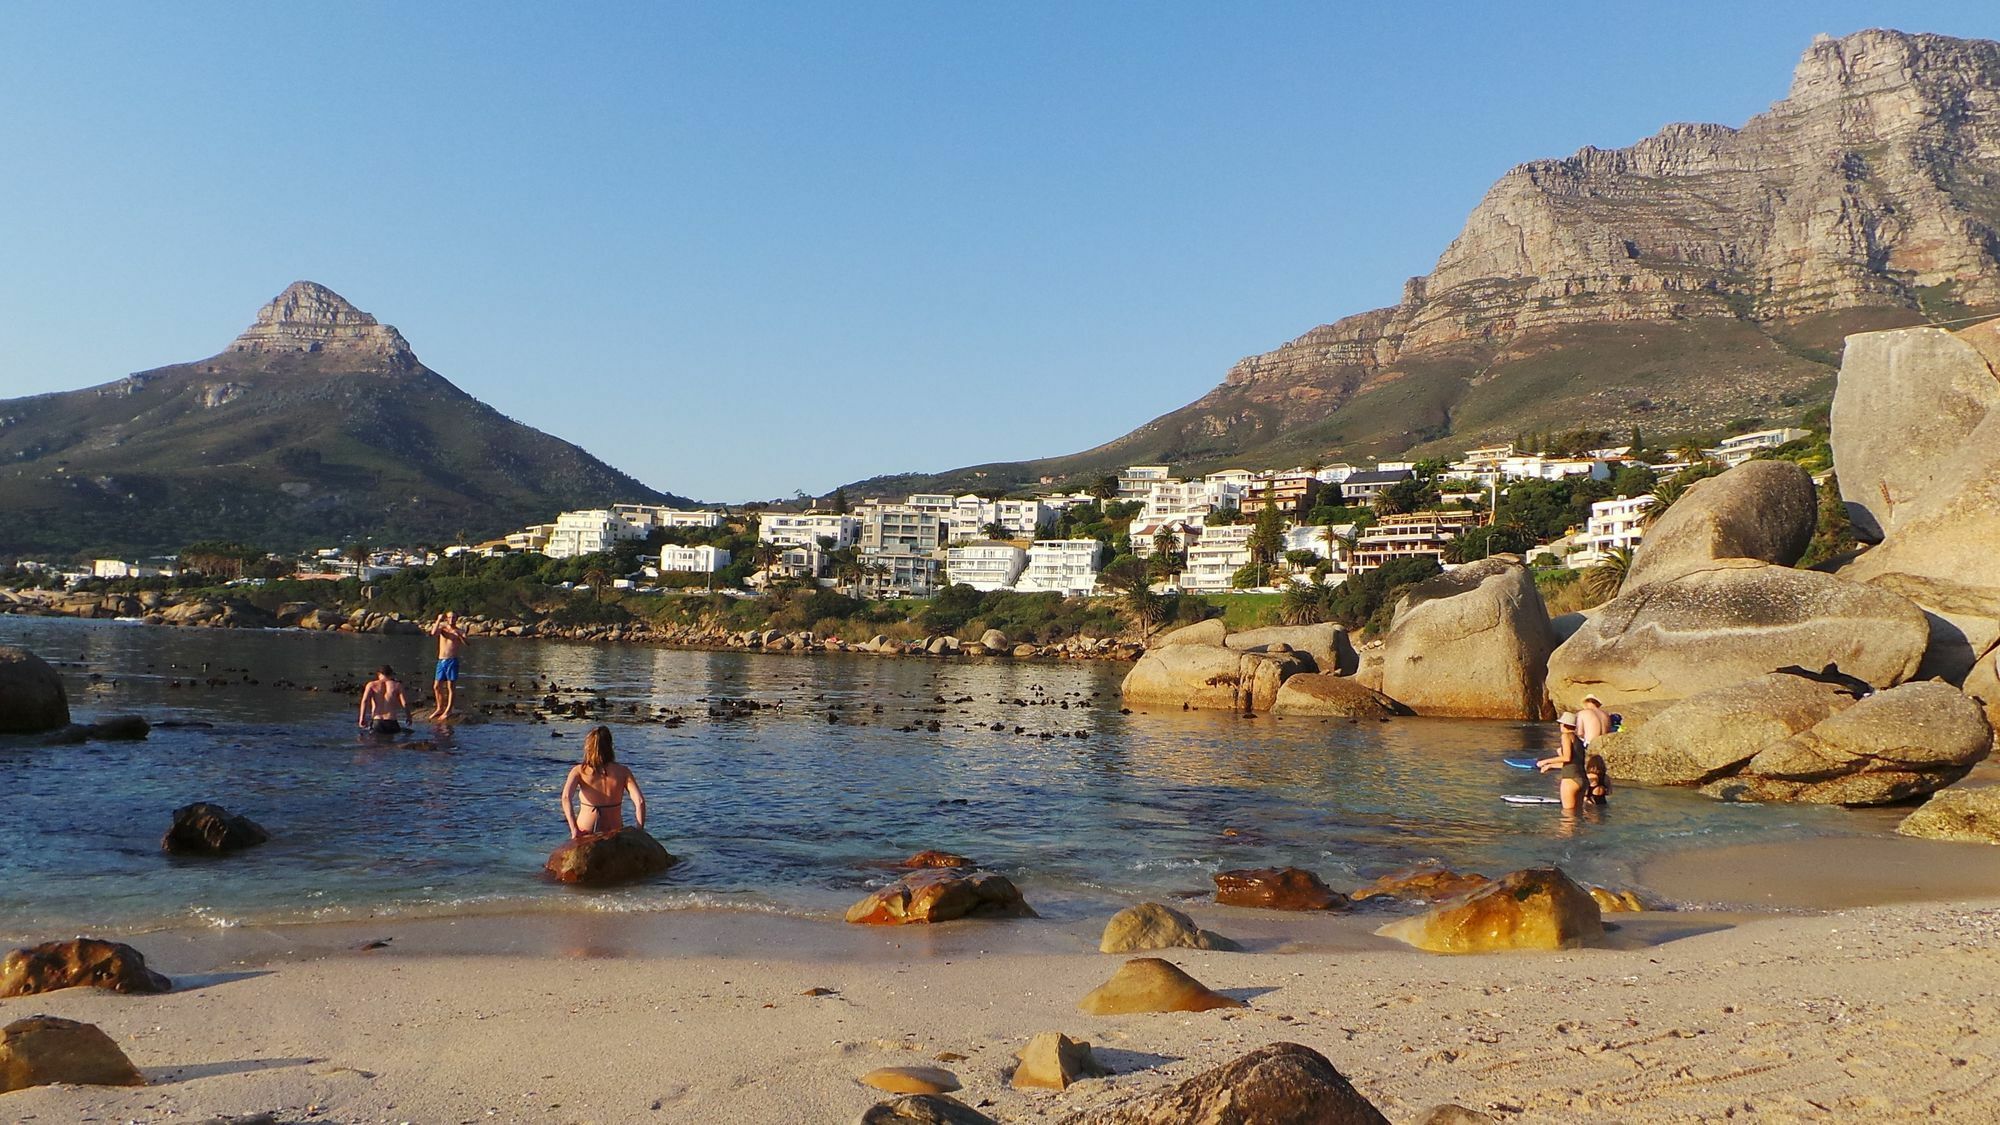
{"x": 1592, "y": 721}
{"x": 450, "y": 640}
{"x": 384, "y": 710}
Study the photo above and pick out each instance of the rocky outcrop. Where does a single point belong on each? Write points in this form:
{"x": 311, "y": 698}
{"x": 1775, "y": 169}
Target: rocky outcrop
{"x": 605, "y": 859}
{"x": 1712, "y": 734}
{"x": 1282, "y": 1084}
{"x": 1763, "y": 510}
{"x": 1210, "y": 632}
{"x": 78, "y": 963}
{"x": 1276, "y": 888}
{"x": 1983, "y": 684}
{"x": 1054, "y": 1061}
{"x": 1323, "y": 695}
{"x": 1473, "y": 643}
{"x": 311, "y": 318}
{"x": 1897, "y": 744}
{"x": 1534, "y": 909}
{"x": 941, "y": 895}
{"x": 1425, "y": 883}
{"x": 1149, "y": 926}
{"x": 1149, "y": 984}
{"x": 1327, "y": 644}
{"x": 1732, "y": 622}
{"x": 45, "y": 1050}
{"x": 206, "y": 829}
{"x": 31, "y": 693}
{"x": 1906, "y": 402}
{"x": 1208, "y": 678}
{"x": 1969, "y": 816}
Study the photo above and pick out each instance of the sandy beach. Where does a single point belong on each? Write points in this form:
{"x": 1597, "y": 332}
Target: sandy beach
{"x": 1877, "y": 1013}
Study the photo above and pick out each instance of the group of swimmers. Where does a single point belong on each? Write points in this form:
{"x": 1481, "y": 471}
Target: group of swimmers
{"x": 1583, "y": 776}
{"x": 384, "y": 707}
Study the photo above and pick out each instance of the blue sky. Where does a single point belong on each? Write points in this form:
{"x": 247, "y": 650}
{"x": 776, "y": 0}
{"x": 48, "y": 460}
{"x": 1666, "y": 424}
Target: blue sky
{"x": 739, "y": 249}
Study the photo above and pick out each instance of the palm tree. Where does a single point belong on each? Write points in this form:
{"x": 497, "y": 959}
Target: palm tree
{"x": 598, "y": 579}
{"x": 1302, "y": 604}
{"x": 1603, "y": 580}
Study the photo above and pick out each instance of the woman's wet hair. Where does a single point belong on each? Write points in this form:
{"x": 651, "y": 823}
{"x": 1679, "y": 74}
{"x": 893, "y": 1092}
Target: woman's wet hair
{"x": 385, "y": 670}
{"x": 597, "y": 751}
{"x": 1596, "y": 778}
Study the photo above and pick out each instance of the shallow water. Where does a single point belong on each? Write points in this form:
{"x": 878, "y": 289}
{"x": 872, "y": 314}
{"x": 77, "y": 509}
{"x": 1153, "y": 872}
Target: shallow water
{"x": 795, "y": 808}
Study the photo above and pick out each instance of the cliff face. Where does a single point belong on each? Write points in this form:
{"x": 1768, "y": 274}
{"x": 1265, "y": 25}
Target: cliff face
{"x": 317, "y": 426}
{"x": 1703, "y": 274}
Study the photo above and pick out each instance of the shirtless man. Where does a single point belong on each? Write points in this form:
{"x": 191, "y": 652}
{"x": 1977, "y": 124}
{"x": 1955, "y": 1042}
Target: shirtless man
{"x": 1592, "y": 721}
{"x": 451, "y": 639}
{"x": 384, "y": 710}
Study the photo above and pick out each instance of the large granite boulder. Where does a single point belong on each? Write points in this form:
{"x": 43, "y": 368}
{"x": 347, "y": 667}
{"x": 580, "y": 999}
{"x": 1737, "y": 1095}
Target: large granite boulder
{"x": 76, "y": 963}
{"x": 941, "y": 894}
{"x": 1983, "y": 684}
{"x": 1471, "y": 644}
{"x": 1208, "y": 678}
{"x": 1763, "y": 510}
{"x": 45, "y": 1050}
{"x": 1327, "y": 644}
{"x": 1706, "y": 736}
{"x": 1325, "y": 695}
{"x": 1276, "y": 888}
{"x": 206, "y": 829}
{"x": 1148, "y": 984}
{"x": 1734, "y": 621}
{"x": 31, "y": 693}
{"x": 1897, "y": 744}
{"x": 1149, "y": 926}
{"x": 1282, "y": 1084}
{"x": 604, "y": 859}
{"x": 1907, "y": 400}
{"x": 1967, "y": 815}
{"x": 1210, "y": 632}
{"x": 1540, "y": 908}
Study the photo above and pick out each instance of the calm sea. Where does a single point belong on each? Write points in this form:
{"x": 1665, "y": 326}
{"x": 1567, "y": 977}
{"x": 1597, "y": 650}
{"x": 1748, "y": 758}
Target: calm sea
{"x": 794, "y": 807}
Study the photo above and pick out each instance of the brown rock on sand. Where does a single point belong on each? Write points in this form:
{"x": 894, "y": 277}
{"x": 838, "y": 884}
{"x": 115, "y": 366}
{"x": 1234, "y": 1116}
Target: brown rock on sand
{"x": 1282, "y": 1084}
{"x": 602, "y": 859}
{"x": 1613, "y": 901}
{"x": 1151, "y": 925}
{"x": 923, "y": 1109}
{"x": 1539, "y": 908}
{"x": 911, "y": 1079}
{"x": 941, "y": 894}
{"x": 1276, "y": 888}
{"x": 45, "y": 1050}
{"x": 1148, "y": 984}
{"x": 1966, "y": 815}
{"x": 81, "y": 961}
{"x": 1423, "y": 884}
{"x": 1052, "y": 1061}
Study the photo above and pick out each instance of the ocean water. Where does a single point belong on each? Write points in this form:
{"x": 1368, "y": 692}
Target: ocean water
{"x": 797, "y": 807}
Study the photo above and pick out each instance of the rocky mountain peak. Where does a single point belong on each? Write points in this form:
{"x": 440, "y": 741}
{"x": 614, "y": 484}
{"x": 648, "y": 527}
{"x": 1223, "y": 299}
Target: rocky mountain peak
{"x": 309, "y": 317}
{"x": 1879, "y": 61}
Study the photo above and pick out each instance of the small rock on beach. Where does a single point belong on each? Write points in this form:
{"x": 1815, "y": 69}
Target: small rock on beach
{"x": 1149, "y": 984}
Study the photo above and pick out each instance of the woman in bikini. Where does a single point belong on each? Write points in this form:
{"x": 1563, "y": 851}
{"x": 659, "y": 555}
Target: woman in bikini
{"x": 593, "y": 795}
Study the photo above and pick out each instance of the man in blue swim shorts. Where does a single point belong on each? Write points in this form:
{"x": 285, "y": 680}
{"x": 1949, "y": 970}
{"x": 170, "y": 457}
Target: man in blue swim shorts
{"x": 451, "y": 640}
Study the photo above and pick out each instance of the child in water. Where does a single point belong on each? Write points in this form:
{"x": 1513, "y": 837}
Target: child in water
{"x": 593, "y": 795}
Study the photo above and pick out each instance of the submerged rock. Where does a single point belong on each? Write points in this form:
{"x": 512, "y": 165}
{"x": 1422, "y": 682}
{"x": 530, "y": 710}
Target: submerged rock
{"x": 206, "y": 829}
{"x": 603, "y": 859}
{"x": 1149, "y": 984}
{"x": 77, "y": 963}
{"x": 933, "y": 858}
{"x": 1276, "y": 888}
{"x": 1967, "y": 815}
{"x": 1318, "y": 694}
{"x": 1150, "y": 925}
{"x": 941, "y": 895}
{"x": 32, "y": 698}
{"x": 1426, "y": 883}
{"x": 1282, "y": 1084}
{"x": 45, "y": 1050}
{"x": 1539, "y": 908}
{"x": 1053, "y": 1061}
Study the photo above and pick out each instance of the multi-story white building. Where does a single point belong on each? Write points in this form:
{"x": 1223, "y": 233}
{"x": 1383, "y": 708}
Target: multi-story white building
{"x": 588, "y": 532}
{"x": 1307, "y": 537}
{"x": 1063, "y": 566}
{"x": 1736, "y": 450}
{"x": 1613, "y": 525}
{"x": 646, "y": 517}
{"x": 806, "y": 529}
{"x": 936, "y": 503}
{"x": 901, "y": 545}
{"x": 1215, "y": 558}
{"x": 119, "y": 568}
{"x": 891, "y": 572}
{"x": 1414, "y": 535}
{"x": 972, "y": 515}
{"x": 984, "y": 566}
{"x": 1189, "y": 500}
{"x": 695, "y": 560}
{"x": 1138, "y": 480}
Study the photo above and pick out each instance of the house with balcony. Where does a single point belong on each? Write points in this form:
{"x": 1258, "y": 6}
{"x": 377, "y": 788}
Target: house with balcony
{"x": 1291, "y": 492}
{"x": 1736, "y": 450}
{"x": 1363, "y": 487}
{"x": 589, "y": 532}
{"x": 692, "y": 560}
{"x": 984, "y": 566}
{"x": 1413, "y": 535}
{"x": 646, "y": 517}
{"x": 1613, "y": 525}
{"x": 1214, "y": 559}
{"x": 1063, "y": 566}
{"x": 807, "y": 529}
{"x": 1138, "y": 480}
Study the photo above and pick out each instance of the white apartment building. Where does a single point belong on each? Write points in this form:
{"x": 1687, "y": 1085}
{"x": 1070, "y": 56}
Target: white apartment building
{"x": 119, "y": 568}
{"x": 901, "y": 528}
{"x": 984, "y": 566}
{"x": 587, "y": 532}
{"x": 693, "y": 560}
{"x": 1215, "y": 558}
{"x": 1239, "y": 479}
{"x": 936, "y": 503}
{"x": 972, "y": 514}
{"x": 1413, "y": 535}
{"x": 1063, "y": 566}
{"x": 1189, "y": 499}
{"x": 1734, "y": 451}
{"x": 1307, "y": 537}
{"x": 1613, "y": 524}
{"x": 1137, "y": 480}
{"x": 898, "y": 573}
{"x": 787, "y": 529}
{"x": 649, "y": 516}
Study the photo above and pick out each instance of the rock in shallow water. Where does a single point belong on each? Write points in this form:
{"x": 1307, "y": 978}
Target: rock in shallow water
{"x": 933, "y": 858}
{"x": 1535, "y": 909}
{"x": 1966, "y": 815}
{"x": 1471, "y": 644}
{"x": 45, "y": 1050}
{"x": 206, "y": 829}
{"x": 1424, "y": 883}
{"x": 32, "y": 698}
{"x": 75, "y": 963}
{"x": 1151, "y": 925}
{"x": 1282, "y": 1084}
{"x": 1276, "y": 888}
{"x": 941, "y": 895}
{"x": 603, "y": 859}
{"x": 1905, "y": 742}
{"x": 1149, "y": 984}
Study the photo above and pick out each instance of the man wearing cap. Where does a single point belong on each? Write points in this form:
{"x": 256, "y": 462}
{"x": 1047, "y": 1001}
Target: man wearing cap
{"x": 1592, "y": 721}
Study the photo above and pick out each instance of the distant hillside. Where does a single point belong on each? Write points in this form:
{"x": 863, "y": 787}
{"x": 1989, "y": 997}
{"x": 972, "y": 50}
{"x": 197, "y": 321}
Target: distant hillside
{"x": 318, "y": 425}
{"x": 1701, "y": 275}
